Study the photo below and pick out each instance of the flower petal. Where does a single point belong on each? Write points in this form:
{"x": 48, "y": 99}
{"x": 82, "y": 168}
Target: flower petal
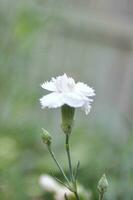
{"x": 85, "y": 89}
{"x": 50, "y": 86}
{"x": 52, "y": 100}
{"x": 64, "y": 83}
{"x": 87, "y": 107}
{"x": 73, "y": 99}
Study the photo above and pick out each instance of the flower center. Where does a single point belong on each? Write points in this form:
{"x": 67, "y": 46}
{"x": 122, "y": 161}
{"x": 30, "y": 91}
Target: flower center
{"x": 70, "y": 84}
{"x": 65, "y": 85}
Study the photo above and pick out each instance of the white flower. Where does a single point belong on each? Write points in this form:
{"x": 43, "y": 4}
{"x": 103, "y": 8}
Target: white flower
{"x": 48, "y": 183}
{"x": 64, "y": 90}
{"x": 51, "y": 185}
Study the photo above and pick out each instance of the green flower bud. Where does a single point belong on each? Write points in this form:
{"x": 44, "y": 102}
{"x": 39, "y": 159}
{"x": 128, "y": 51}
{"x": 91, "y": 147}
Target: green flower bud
{"x": 103, "y": 184}
{"x": 67, "y": 118}
{"x": 46, "y": 137}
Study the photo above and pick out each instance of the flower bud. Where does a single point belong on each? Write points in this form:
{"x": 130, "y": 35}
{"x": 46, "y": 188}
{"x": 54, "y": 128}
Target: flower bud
{"x": 46, "y": 137}
{"x": 67, "y": 118}
{"x": 103, "y": 184}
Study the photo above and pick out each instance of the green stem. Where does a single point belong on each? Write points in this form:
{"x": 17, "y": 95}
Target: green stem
{"x": 66, "y": 198}
{"x": 69, "y": 157}
{"x": 101, "y": 194}
{"x": 76, "y": 195}
{"x": 70, "y": 168}
{"x": 57, "y": 163}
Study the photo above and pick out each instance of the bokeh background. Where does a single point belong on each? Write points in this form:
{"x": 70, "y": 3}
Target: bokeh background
{"x": 92, "y": 41}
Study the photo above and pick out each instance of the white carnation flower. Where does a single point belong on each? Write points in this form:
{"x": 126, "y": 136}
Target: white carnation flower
{"x": 50, "y": 185}
{"x": 64, "y": 90}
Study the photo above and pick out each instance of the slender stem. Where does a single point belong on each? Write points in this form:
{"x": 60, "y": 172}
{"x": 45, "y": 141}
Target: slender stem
{"x": 76, "y": 192}
{"x": 76, "y": 195}
{"x": 58, "y": 180}
{"x": 76, "y": 171}
{"x": 101, "y": 194}
{"x": 70, "y": 167}
{"x": 57, "y": 163}
{"x": 69, "y": 156}
{"x": 66, "y": 198}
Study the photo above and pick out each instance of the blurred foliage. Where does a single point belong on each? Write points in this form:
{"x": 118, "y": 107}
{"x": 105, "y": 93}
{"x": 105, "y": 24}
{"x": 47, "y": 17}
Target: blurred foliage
{"x": 31, "y": 52}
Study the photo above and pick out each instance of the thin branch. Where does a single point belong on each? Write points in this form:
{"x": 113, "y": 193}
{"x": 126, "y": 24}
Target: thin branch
{"x": 57, "y": 163}
{"x": 69, "y": 156}
{"x": 66, "y": 198}
{"x": 76, "y": 170}
{"x": 58, "y": 180}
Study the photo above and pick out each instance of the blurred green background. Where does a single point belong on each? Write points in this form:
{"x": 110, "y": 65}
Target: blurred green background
{"x": 92, "y": 41}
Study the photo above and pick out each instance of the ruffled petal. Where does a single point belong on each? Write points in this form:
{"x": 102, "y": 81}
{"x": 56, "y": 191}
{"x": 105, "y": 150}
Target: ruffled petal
{"x": 87, "y": 107}
{"x": 52, "y": 100}
{"x": 50, "y": 86}
{"x": 73, "y": 99}
{"x": 64, "y": 83}
{"x": 84, "y": 89}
